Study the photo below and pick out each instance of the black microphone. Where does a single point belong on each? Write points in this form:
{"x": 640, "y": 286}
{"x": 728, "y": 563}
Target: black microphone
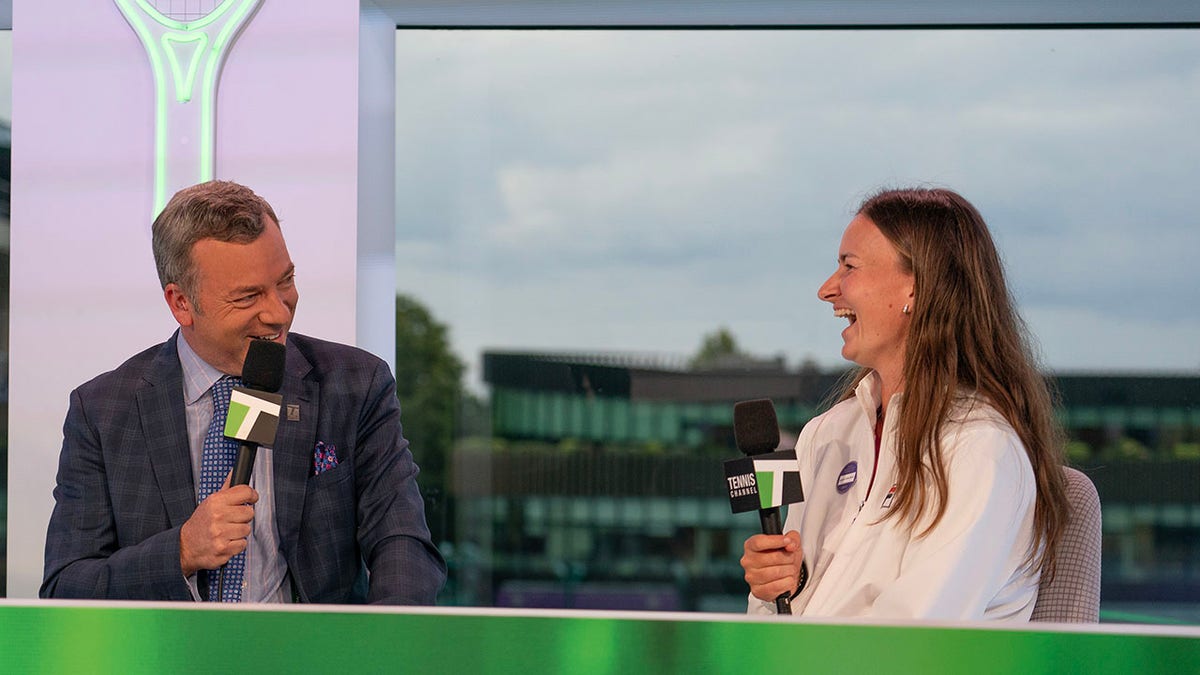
{"x": 764, "y": 479}
{"x": 254, "y": 409}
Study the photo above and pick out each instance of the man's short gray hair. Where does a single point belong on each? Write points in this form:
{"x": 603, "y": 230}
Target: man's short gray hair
{"x": 218, "y": 209}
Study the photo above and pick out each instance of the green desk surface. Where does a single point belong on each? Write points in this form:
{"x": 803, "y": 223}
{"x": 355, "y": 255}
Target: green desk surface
{"x": 59, "y": 637}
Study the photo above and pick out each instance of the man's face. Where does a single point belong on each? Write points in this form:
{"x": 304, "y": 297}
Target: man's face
{"x": 243, "y": 292}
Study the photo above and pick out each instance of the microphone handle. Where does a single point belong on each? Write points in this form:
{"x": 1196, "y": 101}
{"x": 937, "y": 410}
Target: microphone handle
{"x": 772, "y": 523}
{"x": 244, "y": 465}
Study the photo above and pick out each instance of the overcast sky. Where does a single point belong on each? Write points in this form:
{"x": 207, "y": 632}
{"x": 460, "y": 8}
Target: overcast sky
{"x": 633, "y": 190}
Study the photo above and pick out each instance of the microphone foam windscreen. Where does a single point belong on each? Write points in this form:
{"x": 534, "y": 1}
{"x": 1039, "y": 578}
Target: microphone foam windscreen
{"x": 263, "y": 369}
{"x": 755, "y": 426}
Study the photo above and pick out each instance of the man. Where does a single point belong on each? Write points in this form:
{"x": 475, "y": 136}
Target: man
{"x": 332, "y": 514}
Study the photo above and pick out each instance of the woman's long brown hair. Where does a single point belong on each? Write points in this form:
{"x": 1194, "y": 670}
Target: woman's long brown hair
{"x": 964, "y": 334}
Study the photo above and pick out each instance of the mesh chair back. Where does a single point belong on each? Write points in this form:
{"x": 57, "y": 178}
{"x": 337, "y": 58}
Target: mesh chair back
{"x": 1073, "y": 596}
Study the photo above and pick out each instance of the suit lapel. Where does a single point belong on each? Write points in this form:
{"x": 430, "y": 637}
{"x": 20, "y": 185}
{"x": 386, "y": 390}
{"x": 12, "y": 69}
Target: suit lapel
{"x": 161, "y": 409}
{"x": 293, "y": 451}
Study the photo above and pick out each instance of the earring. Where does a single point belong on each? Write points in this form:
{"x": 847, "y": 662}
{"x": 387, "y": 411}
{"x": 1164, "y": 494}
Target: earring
{"x": 905, "y": 309}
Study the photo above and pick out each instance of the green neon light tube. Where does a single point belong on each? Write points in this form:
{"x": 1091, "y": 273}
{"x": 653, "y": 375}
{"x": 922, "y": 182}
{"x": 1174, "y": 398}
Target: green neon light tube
{"x": 184, "y": 53}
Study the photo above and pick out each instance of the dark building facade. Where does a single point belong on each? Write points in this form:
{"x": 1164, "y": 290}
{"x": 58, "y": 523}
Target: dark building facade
{"x": 602, "y": 485}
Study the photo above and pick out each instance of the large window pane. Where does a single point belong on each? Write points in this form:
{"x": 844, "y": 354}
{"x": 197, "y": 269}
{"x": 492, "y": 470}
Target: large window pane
{"x": 585, "y": 207}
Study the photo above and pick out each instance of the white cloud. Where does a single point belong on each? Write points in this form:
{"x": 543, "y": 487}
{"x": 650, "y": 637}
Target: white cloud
{"x": 634, "y": 196}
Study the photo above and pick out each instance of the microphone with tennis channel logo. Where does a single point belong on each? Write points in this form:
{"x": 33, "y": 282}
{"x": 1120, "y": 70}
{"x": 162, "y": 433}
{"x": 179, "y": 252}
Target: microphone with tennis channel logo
{"x": 764, "y": 479}
{"x": 254, "y": 409}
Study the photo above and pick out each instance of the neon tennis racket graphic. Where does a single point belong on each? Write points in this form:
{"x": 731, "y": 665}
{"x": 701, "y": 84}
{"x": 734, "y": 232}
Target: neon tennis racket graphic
{"x": 186, "y": 41}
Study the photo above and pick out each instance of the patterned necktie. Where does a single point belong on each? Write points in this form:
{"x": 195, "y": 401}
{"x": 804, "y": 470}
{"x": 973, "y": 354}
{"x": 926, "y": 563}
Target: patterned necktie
{"x": 215, "y": 464}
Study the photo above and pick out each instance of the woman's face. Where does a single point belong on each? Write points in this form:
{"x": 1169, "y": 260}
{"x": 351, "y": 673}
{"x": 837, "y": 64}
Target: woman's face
{"x": 870, "y": 289}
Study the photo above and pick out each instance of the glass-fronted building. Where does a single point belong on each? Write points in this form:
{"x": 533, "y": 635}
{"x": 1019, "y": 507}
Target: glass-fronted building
{"x": 602, "y": 484}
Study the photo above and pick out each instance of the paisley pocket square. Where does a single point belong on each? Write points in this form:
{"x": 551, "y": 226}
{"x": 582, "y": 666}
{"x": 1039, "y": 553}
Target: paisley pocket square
{"x": 324, "y": 457}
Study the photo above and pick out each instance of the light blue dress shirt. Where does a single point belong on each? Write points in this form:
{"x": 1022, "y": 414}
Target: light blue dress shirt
{"x": 266, "y": 570}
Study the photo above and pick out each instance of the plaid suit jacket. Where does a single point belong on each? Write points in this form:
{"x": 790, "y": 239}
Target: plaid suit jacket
{"x": 354, "y": 533}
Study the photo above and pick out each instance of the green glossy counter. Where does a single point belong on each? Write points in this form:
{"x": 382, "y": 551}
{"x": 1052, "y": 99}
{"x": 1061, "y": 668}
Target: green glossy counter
{"x": 54, "y": 637}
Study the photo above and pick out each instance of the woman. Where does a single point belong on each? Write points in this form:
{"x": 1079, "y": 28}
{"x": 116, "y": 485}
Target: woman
{"x": 935, "y": 485}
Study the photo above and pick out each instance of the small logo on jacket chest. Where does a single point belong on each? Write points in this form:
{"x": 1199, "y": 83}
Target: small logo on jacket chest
{"x": 887, "y": 501}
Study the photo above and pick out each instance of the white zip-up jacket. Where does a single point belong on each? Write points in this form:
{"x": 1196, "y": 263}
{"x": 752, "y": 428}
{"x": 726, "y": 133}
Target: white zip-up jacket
{"x": 971, "y": 566}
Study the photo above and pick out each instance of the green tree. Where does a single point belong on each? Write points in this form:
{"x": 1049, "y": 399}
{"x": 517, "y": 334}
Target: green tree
{"x": 429, "y": 383}
{"x": 716, "y": 348}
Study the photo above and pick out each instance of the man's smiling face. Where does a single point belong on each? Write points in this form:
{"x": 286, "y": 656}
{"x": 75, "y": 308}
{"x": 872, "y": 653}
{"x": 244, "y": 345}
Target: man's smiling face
{"x": 243, "y": 292}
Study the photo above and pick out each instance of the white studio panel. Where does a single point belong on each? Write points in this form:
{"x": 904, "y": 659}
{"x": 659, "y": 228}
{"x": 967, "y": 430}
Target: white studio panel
{"x": 84, "y": 293}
